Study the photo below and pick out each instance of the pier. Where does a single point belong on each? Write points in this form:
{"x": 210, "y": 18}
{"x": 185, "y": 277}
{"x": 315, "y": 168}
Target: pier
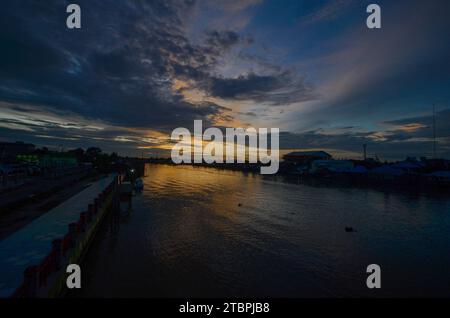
{"x": 33, "y": 260}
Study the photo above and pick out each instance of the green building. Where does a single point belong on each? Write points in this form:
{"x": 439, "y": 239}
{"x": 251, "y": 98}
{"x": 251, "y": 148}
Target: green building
{"x": 58, "y": 160}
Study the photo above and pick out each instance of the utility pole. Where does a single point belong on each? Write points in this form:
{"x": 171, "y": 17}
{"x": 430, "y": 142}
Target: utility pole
{"x": 434, "y": 131}
{"x": 365, "y": 151}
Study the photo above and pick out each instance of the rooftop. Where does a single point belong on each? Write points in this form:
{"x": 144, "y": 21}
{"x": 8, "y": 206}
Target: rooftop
{"x": 319, "y": 154}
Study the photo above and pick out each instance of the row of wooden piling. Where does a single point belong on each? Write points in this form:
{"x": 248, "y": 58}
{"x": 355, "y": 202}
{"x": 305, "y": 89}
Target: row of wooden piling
{"x": 37, "y": 277}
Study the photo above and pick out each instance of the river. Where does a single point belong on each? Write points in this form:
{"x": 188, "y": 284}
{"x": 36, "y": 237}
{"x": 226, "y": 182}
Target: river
{"x": 202, "y": 232}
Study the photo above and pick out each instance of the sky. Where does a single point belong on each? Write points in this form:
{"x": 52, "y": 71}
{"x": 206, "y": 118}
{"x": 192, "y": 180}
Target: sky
{"x": 138, "y": 69}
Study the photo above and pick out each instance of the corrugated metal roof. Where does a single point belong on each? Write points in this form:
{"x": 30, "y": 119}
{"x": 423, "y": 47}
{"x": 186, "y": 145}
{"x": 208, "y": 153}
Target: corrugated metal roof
{"x": 309, "y": 153}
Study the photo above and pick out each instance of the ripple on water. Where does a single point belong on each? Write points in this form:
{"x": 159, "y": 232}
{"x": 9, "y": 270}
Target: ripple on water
{"x": 206, "y": 232}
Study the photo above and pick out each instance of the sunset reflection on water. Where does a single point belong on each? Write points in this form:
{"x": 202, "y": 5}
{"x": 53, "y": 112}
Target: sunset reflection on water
{"x": 206, "y": 232}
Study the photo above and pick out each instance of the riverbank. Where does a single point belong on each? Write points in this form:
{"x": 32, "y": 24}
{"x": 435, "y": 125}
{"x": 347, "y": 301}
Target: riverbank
{"x": 33, "y": 259}
{"x": 35, "y": 202}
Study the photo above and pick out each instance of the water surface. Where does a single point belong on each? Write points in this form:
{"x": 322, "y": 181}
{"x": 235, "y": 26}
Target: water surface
{"x": 201, "y": 232}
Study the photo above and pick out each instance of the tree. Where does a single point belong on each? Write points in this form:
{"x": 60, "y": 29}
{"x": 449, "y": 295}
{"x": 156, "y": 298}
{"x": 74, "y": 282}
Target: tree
{"x": 93, "y": 152}
{"x": 41, "y": 151}
{"x": 113, "y": 156}
{"x": 77, "y": 153}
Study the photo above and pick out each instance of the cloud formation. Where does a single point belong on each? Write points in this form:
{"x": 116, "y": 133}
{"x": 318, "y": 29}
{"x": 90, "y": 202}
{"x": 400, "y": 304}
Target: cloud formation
{"x": 328, "y": 11}
{"x": 275, "y": 89}
{"x": 124, "y": 60}
{"x": 138, "y": 69}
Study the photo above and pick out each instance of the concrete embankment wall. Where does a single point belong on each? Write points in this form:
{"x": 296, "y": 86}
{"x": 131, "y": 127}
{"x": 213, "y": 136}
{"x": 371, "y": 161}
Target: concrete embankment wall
{"x": 48, "y": 279}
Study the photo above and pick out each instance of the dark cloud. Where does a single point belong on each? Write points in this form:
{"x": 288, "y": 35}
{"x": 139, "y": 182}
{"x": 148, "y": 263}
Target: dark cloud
{"x": 442, "y": 116}
{"x": 278, "y": 89}
{"x": 420, "y": 127}
{"x": 122, "y": 61}
{"x": 224, "y": 39}
{"x": 233, "y": 5}
{"x": 410, "y": 136}
{"x": 121, "y": 67}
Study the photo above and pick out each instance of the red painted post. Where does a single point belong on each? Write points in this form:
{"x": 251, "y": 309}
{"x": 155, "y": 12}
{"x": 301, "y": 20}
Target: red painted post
{"x": 90, "y": 213}
{"x": 100, "y": 200}
{"x": 73, "y": 233}
{"x": 67, "y": 243}
{"x": 31, "y": 279}
{"x": 57, "y": 253}
{"x": 96, "y": 205}
{"x": 83, "y": 222}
